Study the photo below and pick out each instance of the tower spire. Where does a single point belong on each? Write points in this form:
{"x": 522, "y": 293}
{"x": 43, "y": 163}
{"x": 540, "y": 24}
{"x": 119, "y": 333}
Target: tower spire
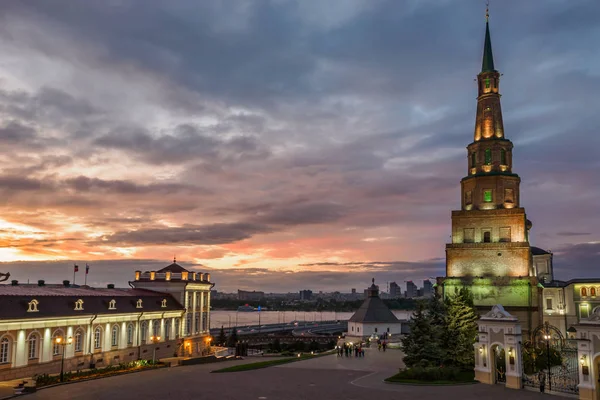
{"x": 488, "y": 58}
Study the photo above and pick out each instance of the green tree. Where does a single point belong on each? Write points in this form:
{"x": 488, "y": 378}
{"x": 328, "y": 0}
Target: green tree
{"x": 232, "y": 339}
{"x": 460, "y": 329}
{"x": 222, "y": 338}
{"x": 422, "y": 345}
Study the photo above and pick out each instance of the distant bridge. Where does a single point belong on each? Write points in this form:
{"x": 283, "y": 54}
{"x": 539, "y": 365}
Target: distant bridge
{"x": 297, "y": 329}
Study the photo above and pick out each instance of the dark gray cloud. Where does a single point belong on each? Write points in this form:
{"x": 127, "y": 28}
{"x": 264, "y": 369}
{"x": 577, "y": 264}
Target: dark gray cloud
{"x": 186, "y": 235}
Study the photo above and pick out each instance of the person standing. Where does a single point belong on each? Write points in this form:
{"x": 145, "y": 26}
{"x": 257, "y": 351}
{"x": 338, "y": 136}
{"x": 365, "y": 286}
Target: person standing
{"x": 542, "y": 378}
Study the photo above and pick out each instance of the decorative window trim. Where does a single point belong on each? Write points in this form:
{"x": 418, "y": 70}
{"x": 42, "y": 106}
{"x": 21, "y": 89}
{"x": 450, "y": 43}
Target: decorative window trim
{"x": 163, "y": 303}
{"x": 79, "y": 305}
{"x": 33, "y": 306}
{"x": 112, "y": 305}
{"x": 98, "y": 338}
{"x": 78, "y": 341}
{"x": 138, "y": 304}
{"x": 130, "y": 332}
{"x": 5, "y": 350}
{"x": 114, "y": 336}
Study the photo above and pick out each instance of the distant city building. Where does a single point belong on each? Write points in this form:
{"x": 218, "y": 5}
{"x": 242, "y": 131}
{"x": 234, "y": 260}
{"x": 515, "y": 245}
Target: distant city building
{"x": 353, "y": 290}
{"x": 250, "y": 296}
{"x": 427, "y": 288}
{"x": 395, "y": 290}
{"x": 411, "y": 290}
{"x": 306, "y": 294}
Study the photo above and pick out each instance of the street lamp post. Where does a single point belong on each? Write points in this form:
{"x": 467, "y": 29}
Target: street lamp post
{"x": 229, "y": 324}
{"x": 155, "y": 340}
{"x": 547, "y": 336}
{"x": 61, "y": 342}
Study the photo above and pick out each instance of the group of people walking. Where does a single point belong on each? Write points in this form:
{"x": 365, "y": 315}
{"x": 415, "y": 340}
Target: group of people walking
{"x": 348, "y": 349}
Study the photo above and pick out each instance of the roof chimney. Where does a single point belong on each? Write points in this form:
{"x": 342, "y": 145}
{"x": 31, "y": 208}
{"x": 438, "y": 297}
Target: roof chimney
{"x": 41, "y": 282}
{"x": 110, "y": 286}
{"x": 14, "y": 282}
{"x": 66, "y": 283}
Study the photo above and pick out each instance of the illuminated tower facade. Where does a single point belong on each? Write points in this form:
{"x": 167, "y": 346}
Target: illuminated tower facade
{"x": 490, "y": 249}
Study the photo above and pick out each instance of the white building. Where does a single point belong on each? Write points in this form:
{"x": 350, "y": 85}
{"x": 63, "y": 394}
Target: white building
{"x": 373, "y": 318}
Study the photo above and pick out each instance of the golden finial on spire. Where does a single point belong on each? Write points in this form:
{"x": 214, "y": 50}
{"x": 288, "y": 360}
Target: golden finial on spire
{"x": 487, "y": 10}
{"x": 174, "y": 259}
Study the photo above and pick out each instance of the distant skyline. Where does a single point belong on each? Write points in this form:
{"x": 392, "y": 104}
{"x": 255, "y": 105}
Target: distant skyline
{"x": 284, "y": 145}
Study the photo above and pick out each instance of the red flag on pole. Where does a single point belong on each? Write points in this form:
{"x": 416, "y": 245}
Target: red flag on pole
{"x": 76, "y": 268}
{"x": 87, "y": 269}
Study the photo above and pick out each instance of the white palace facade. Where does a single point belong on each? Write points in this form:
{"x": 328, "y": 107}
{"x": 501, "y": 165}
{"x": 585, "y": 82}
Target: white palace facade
{"x": 167, "y": 311}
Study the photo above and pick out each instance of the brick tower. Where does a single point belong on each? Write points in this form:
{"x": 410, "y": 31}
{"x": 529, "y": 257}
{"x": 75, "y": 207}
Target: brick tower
{"x": 490, "y": 251}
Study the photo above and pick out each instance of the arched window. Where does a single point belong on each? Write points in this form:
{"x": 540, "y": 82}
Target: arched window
{"x": 79, "y": 305}
{"x": 593, "y": 292}
{"x": 4, "y": 350}
{"x": 78, "y": 342}
{"x": 56, "y": 346}
{"x": 114, "y": 336}
{"x": 98, "y": 338}
{"x": 138, "y": 304}
{"x": 197, "y": 323}
{"x": 112, "y": 305}
{"x": 163, "y": 303}
{"x": 177, "y": 333}
{"x": 143, "y": 332}
{"x": 583, "y": 292}
{"x": 167, "y": 329}
{"x": 375, "y": 330}
{"x": 33, "y": 306}
{"x": 156, "y": 328}
{"x": 503, "y": 157}
{"x": 33, "y": 346}
{"x": 130, "y": 334}
{"x": 473, "y": 160}
{"x": 488, "y": 156}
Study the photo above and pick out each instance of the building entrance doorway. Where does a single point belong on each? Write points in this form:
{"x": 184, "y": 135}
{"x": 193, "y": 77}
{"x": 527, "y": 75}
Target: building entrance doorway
{"x": 499, "y": 364}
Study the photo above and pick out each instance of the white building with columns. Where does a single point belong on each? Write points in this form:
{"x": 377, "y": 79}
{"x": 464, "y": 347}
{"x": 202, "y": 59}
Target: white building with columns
{"x": 166, "y": 310}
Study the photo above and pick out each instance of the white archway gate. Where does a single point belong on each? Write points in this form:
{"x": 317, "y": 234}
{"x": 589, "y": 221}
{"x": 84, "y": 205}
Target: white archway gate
{"x": 497, "y": 350}
{"x": 588, "y": 352}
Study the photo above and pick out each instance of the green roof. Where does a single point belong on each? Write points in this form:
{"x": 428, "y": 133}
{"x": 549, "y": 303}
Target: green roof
{"x": 488, "y": 58}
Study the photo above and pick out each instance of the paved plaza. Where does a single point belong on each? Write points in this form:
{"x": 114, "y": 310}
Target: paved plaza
{"x": 323, "y": 378}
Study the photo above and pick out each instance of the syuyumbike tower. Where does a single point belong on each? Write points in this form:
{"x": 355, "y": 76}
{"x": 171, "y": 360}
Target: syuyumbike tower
{"x": 490, "y": 251}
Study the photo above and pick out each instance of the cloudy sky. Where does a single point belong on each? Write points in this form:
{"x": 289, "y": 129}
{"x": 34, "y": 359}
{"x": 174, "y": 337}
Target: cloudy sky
{"x": 284, "y": 144}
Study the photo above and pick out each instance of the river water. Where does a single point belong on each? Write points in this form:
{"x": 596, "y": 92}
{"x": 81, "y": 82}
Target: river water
{"x": 227, "y": 319}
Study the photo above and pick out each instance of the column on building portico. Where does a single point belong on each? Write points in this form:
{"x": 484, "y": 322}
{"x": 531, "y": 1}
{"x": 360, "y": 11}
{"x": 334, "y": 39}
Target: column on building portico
{"x": 201, "y": 312}
{"x": 21, "y": 348}
{"x": 45, "y": 352}
{"x": 70, "y": 349}
{"x": 193, "y": 311}
{"x": 208, "y": 310}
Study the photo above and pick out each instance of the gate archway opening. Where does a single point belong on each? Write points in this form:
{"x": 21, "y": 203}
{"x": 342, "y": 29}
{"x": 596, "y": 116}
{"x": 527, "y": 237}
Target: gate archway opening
{"x": 499, "y": 364}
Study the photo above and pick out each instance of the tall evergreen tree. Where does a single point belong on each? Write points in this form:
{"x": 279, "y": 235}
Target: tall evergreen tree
{"x": 461, "y": 328}
{"x": 422, "y": 344}
{"x": 222, "y": 338}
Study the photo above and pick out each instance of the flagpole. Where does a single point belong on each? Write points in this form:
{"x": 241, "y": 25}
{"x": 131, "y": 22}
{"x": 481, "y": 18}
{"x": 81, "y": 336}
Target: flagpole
{"x": 87, "y": 268}
{"x": 74, "y": 270}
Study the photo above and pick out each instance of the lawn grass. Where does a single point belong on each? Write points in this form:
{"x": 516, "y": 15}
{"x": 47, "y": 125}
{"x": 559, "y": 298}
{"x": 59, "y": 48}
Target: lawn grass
{"x": 463, "y": 378}
{"x": 270, "y": 363}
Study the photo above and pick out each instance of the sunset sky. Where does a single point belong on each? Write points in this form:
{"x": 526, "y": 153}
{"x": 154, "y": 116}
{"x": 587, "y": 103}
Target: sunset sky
{"x": 284, "y": 144}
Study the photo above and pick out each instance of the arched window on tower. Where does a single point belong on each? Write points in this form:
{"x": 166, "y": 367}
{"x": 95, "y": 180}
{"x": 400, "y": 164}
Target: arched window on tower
{"x": 473, "y": 159}
{"x": 488, "y": 156}
{"x": 503, "y": 157}
{"x": 583, "y": 292}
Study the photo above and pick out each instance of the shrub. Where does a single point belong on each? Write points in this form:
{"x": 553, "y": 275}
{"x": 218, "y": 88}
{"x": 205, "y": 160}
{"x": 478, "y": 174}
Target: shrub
{"x": 430, "y": 374}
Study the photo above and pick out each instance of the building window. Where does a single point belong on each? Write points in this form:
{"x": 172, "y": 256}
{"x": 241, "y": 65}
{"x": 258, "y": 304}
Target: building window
{"x": 32, "y": 347}
{"x": 78, "y": 341}
{"x": 188, "y": 324}
{"x": 593, "y": 292}
{"x": 114, "y": 337}
{"x": 79, "y": 305}
{"x": 353, "y": 329}
{"x": 375, "y": 330}
{"x": 130, "y": 334}
{"x": 33, "y": 306}
{"x": 97, "y": 338}
{"x": 488, "y": 156}
{"x": 505, "y": 234}
{"x": 197, "y": 323}
{"x": 156, "y": 328}
{"x": 144, "y": 332}
{"x": 138, "y": 304}
{"x": 4, "y": 350}
{"x": 549, "y": 304}
{"x": 56, "y": 346}
{"x": 167, "y": 329}
{"x": 468, "y": 197}
{"x": 487, "y": 236}
{"x": 487, "y": 83}
{"x": 163, "y": 303}
{"x": 473, "y": 159}
{"x": 584, "y": 311}
{"x": 358, "y": 329}
{"x": 112, "y": 305}
{"x": 487, "y": 196}
{"x": 502, "y": 156}
{"x": 583, "y": 292}
{"x": 177, "y": 327}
